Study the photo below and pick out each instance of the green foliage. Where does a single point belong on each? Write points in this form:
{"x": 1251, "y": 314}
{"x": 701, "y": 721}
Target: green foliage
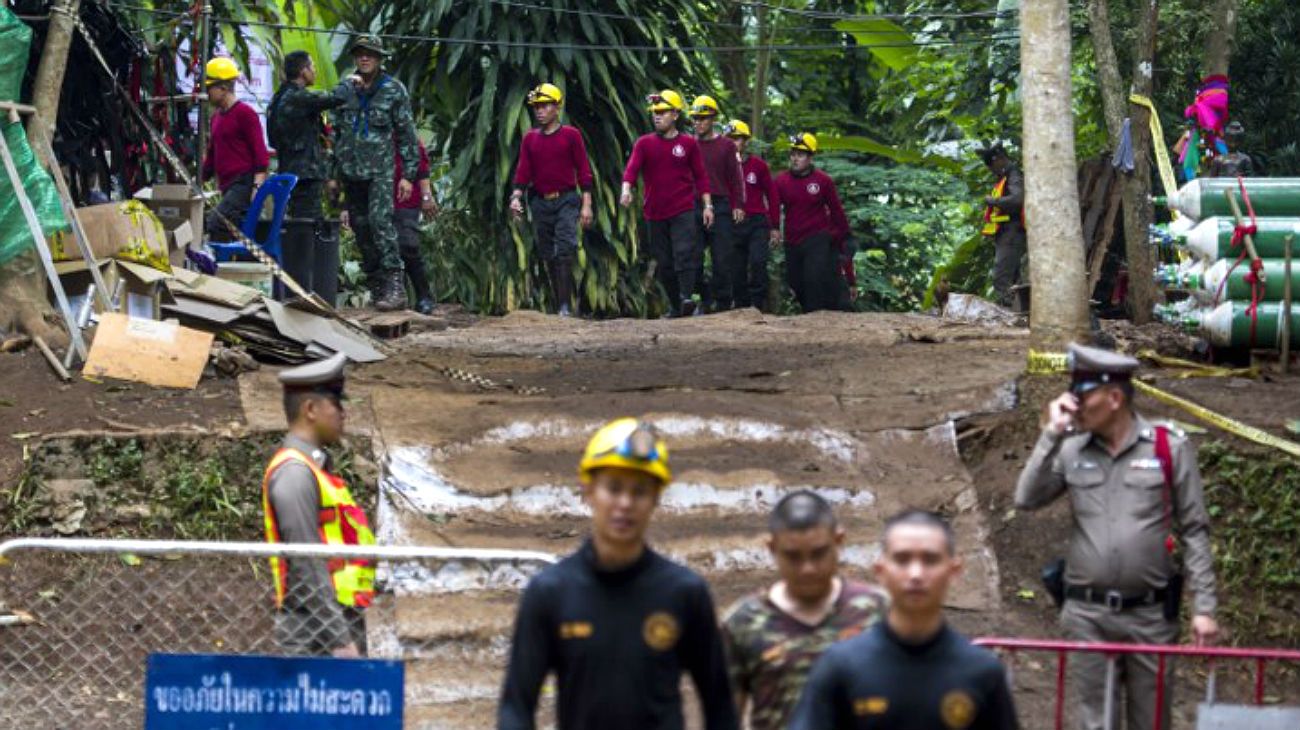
{"x": 912, "y": 219}
{"x": 1254, "y": 504}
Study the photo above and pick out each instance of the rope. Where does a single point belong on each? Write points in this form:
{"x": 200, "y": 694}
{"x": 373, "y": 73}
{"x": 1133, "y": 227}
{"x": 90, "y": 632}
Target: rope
{"x": 1256, "y": 265}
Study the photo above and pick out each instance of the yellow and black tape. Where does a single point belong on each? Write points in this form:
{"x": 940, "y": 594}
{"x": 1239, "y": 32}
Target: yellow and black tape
{"x": 1047, "y": 363}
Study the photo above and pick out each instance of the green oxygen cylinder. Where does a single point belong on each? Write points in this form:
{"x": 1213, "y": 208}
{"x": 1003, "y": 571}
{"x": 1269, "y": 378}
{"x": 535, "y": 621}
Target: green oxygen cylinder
{"x": 1228, "y": 325}
{"x": 1204, "y": 198}
{"x": 1206, "y": 281}
{"x": 1212, "y": 238}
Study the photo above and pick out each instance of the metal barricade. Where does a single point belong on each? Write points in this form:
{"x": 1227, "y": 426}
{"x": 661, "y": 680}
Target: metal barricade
{"x": 1162, "y": 652}
{"x": 79, "y": 617}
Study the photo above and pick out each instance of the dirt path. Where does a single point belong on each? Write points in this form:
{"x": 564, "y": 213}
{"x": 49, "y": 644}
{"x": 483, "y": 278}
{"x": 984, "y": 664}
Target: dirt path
{"x": 752, "y": 406}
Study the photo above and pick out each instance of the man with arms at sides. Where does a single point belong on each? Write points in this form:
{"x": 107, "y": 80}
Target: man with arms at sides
{"x": 911, "y": 670}
{"x": 773, "y": 637}
{"x": 617, "y": 622}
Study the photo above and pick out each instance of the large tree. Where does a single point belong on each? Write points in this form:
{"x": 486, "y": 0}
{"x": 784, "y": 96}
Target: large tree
{"x": 1059, "y": 313}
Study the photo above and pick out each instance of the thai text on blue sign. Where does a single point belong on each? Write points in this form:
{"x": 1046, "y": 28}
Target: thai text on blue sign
{"x": 229, "y": 692}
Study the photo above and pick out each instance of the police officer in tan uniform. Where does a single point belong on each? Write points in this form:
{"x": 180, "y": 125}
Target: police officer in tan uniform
{"x": 1121, "y": 583}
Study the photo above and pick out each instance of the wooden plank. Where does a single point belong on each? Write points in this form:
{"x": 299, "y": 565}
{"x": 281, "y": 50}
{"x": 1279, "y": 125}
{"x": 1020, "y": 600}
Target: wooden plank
{"x": 146, "y": 351}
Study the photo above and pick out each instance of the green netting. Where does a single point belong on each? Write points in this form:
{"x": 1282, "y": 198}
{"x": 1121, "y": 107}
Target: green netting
{"x": 15, "y": 235}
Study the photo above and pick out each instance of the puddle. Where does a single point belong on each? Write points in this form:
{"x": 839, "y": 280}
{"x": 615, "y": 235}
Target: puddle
{"x": 420, "y": 487}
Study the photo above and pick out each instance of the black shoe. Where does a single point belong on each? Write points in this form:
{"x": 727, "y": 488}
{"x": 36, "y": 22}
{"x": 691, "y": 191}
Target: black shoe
{"x": 394, "y": 297}
{"x": 688, "y": 307}
{"x": 424, "y": 306}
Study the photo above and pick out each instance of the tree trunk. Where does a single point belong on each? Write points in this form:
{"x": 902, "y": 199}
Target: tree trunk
{"x": 732, "y": 64}
{"x": 1112, "y": 85}
{"x": 1137, "y": 187}
{"x": 762, "y": 62}
{"x": 1059, "y": 311}
{"x": 54, "y": 61}
{"x": 1221, "y": 37}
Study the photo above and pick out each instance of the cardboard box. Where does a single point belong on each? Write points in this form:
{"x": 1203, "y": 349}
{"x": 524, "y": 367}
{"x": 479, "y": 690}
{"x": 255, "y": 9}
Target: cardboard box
{"x": 174, "y": 205}
{"x": 126, "y": 231}
{"x": 144, "y": 289}
{"x": 141, "y": 350}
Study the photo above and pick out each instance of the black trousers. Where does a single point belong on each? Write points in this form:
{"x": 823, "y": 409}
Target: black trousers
{"x": 750, "y": 253}
{"x": 673, "y": 248}
{"x": 812, "y": 269}
{"x": 234, "y": 206}
{"x": 555, "y": 226}
{"x": 407, "y": 221}
{"x": 717, "y": 240}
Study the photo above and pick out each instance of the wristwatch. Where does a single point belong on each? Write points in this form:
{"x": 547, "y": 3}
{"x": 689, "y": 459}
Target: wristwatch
{"x": 426, "y": 197}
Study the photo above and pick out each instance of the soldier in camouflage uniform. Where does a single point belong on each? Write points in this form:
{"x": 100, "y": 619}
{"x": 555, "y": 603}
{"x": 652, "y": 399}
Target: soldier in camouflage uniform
{"x": 296, "y": 128}
{"x": 773, "y": 637}
{"x": 372, "y": 128}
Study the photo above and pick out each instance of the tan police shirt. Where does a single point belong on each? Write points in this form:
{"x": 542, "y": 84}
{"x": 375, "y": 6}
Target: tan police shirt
{"x": 1118, "y": 504}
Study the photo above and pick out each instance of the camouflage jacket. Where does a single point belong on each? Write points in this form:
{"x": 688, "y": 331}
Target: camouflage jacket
{"x": 769, "y": 653}
{"x": 371, "y": 128}
{"x": 296, "y": 129}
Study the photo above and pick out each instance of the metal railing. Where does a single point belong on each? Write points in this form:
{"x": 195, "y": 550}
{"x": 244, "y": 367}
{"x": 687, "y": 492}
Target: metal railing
{"x": 1162, "y": 652}
{"x": 79, "y": 617}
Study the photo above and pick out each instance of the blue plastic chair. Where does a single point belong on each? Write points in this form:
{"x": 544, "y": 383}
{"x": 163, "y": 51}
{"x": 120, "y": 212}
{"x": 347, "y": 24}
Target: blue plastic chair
{"x": 278, "y": 187}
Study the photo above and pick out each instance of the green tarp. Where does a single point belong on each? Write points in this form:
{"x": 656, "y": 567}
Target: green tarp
{"x": 15, "y": 234}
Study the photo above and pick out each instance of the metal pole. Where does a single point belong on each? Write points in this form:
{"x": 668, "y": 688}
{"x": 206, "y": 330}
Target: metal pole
{"x": 205, "y": 53}
{"x": 1109, "y": 707}
{"x": 1286, "y": 302}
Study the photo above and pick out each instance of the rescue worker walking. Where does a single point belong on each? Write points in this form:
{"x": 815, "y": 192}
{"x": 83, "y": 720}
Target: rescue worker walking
{"x": 816, "y": 232}
{"x": 617, "y": 622}
{"x": 749, "y": 280}
{"x": 236, "y": 153}
{"x": 672, "y": 168}
{"x": 1004, "y": 222}
{"x": 1130, "y": 482}
{"x": 722, "y": 163}
{"x": 375, "y": 127}
{"x": 774, "y": 637}
{"x": 318, "y": 602}
{"x": 553, "y": 166}
{"x": 295, "y": 125}
{"x": 910, "y": 670}
{"x": 407, "y": 216}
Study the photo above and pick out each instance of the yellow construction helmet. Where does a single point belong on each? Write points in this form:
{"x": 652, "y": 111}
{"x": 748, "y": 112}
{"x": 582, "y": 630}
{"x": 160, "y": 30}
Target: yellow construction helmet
{"x": 628, "y": 444}
{"x": 666, "y": 101}
{"x": 546, "y": 94}
{"x": 737, "y": 129}
{"x": 220, "y": 69}
{"x": 705, "y": 106}
{"x": 804, "y": 141}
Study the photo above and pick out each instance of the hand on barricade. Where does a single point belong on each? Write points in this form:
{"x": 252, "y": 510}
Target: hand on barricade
{"x": 1205, "y": 630}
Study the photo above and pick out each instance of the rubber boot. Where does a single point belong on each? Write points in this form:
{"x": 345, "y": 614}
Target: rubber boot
{"x": 394, "y": 293}
{"x": 562, "y": 281}
{"x": 419, "y": 282}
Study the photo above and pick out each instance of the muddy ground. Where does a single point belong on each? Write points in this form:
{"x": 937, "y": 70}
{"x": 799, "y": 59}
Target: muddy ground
{"x": 482, "y": 422}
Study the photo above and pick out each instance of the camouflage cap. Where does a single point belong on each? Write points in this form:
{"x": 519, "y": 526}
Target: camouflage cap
{"x": 369, "y": 43}
{"x": 1092, "y": 367}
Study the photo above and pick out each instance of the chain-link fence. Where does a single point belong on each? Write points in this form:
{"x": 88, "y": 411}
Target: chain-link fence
{"x": 78, "y": 618}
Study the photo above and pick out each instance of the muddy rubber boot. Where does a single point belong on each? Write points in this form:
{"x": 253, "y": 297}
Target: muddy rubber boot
{"x": 394, "y": 295}
{"x": 562, "y": 280}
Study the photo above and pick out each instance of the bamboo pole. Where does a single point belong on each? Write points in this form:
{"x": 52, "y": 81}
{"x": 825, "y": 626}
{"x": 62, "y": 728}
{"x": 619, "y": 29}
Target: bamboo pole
{"x": 1249, "y": 239}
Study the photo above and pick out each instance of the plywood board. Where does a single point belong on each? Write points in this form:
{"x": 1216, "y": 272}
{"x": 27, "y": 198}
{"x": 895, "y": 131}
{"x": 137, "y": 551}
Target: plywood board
{"x": 145, "y": 351}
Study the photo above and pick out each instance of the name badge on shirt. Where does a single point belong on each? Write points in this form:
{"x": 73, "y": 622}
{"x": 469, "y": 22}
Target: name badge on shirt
{"x": 575, "y": 630}
{"x": 1085, "y": 465}
{"x": 870, "y": 706}
{"x": 1148, "y": 464}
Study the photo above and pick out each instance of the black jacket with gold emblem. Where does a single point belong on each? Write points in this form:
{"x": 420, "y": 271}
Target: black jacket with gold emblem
{"x": 618, "y": 642}
{"x": 876, "y": 680}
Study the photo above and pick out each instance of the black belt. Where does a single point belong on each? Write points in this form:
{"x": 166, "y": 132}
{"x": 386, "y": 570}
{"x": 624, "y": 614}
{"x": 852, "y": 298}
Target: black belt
{"x": 1115, "y": 600}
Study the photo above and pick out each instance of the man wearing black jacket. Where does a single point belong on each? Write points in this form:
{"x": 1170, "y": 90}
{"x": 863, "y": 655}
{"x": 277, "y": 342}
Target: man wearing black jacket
{"x": 615, "y": 621}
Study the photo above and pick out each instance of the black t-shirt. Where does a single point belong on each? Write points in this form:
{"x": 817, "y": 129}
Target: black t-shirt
{"x": 877, "y": 681}
{"x": 618, "y": 642}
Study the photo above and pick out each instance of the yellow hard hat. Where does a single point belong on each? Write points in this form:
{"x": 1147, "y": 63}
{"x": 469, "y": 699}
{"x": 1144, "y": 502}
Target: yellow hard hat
{"x": 804, "y": 141}
{"x": 666, "y": 100}
{"x": 546, "y": 94}
{"x": 705, "y": 106}
{"x": 220, "y": 69}
{"x": 629, "y": 444}
{"x": 737, "y": 129}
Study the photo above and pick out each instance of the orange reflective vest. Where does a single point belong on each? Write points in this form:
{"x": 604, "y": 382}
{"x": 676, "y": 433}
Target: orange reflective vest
{"x": 993, "y": 215}
{"x": 342, "y": 522}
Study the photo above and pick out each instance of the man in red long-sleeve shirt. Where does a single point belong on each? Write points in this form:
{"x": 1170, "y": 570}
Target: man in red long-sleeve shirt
{"x": 762, "y": 214}
{"x": 722, "y": 162}
{"x": 816, "y": 231}
{"x": 672, "y": 168}
{"x": 236, "y": 151}
{"x": 553, "y": 162}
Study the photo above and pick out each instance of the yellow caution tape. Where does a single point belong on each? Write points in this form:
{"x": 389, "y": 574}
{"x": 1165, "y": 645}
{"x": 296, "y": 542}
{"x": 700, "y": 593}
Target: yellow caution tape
{"x": 1196, "y": 369}
{"x": 1158, "y": 142}
{"x": 1047, "y": 363}
{"x": 1250, "y": 433}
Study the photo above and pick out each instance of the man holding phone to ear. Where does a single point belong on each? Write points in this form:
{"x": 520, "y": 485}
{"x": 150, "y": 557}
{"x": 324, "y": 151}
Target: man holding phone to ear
{"x": 1131, "y": 483}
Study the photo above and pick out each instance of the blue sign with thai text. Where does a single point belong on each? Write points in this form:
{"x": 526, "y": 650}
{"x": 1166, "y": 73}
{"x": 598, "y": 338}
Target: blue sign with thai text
{"x": 231, "y": 692}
